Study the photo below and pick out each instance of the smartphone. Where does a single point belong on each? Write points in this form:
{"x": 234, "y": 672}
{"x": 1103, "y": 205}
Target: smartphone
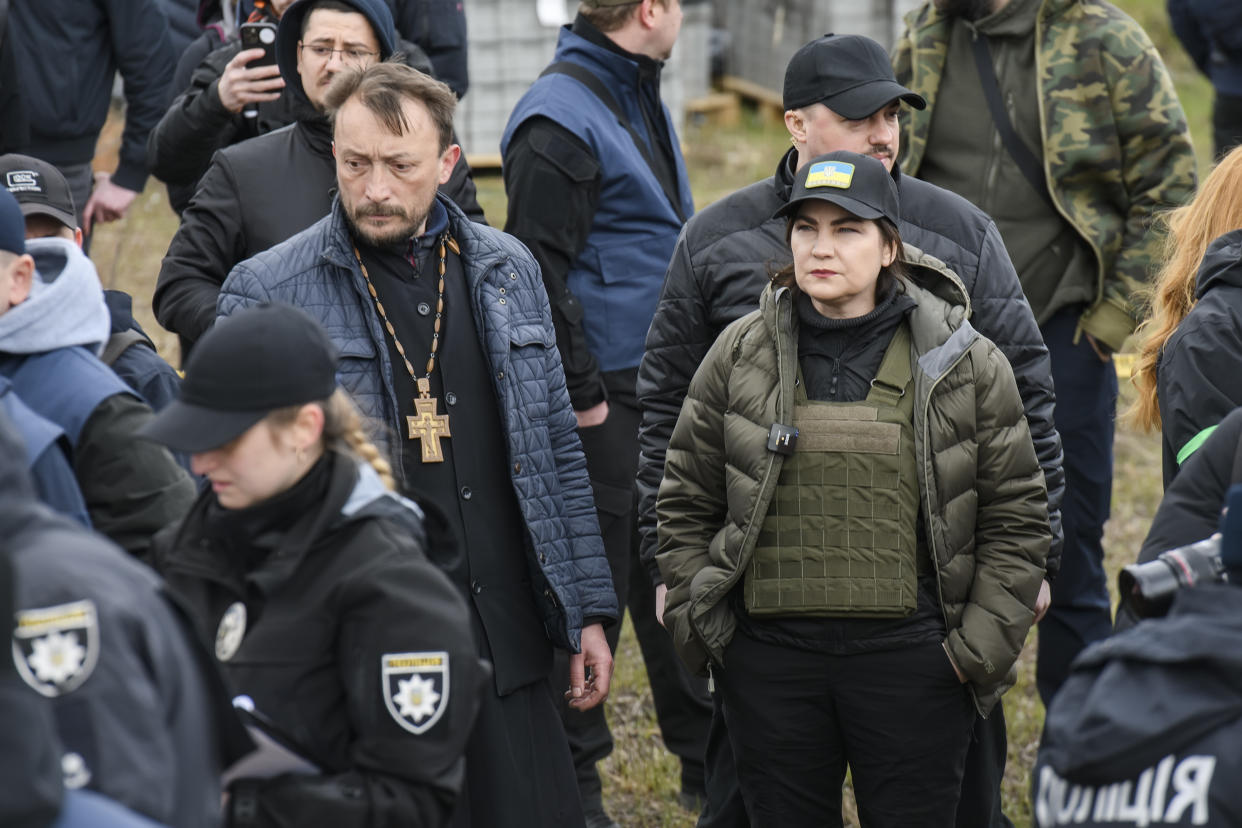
{"x": 260, "y": 36}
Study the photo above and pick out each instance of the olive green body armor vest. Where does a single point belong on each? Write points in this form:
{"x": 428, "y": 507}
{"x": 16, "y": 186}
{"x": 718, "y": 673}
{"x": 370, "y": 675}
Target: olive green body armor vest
{"x": 840, "y": 537}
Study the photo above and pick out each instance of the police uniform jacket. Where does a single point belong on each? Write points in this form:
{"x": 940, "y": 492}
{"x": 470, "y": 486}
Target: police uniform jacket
{"x": 1145, "y": 730}
{"x": 324, "y": 610}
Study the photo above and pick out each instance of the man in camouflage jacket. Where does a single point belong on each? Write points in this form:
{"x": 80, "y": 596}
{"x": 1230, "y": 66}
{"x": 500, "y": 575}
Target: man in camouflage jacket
{"x": 1084, "y": 96}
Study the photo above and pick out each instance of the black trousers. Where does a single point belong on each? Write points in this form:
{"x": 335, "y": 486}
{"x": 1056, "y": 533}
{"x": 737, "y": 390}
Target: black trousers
{"x": 683, "y": 708}
{"x": 899, "y": 719}
{"x": 519, "y": 773}
{"x": 979, "y": 806}
{"x": 1086, "y": 404}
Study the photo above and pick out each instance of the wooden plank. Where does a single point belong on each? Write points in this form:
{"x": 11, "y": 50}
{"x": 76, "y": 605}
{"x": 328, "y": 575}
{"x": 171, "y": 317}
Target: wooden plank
{"x": 718, "y": 108}
{"x": 485, "y": 162}
{"x": 769, "y": 101}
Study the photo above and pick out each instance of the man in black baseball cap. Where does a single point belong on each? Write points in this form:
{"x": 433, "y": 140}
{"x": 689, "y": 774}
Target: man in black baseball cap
{"x": 250, "y": 364}
{"x": 43, "y": 194}
{"x": 47, "y": 205}
{"x": 840, "y": 94}
{"x": 849, "y": 74}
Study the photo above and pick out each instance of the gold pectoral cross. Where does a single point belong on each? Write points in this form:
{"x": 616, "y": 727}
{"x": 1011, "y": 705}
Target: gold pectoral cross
{"x": 427, "y": 426}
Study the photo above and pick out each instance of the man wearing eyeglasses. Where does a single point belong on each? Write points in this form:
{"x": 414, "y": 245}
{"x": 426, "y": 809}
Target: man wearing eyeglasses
{"x": 259, "y": 192}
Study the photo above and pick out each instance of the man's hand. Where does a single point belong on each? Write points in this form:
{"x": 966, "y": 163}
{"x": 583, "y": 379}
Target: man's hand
{"x": 1043, "y": 601}
{"x": 593, "y": 416}
{"x": 585, "y": 693}
{"x": 108, "y": 202}
{"x": 660, "y": 597}
{"x": 239, "y": 86}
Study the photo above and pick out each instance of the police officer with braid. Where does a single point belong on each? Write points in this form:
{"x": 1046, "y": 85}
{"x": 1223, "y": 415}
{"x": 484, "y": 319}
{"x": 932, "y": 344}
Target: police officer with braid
{"x": 313, "y": 583}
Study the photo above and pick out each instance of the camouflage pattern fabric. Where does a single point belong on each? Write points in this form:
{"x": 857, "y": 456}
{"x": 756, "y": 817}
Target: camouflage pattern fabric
{"x": 1116, "y": 146}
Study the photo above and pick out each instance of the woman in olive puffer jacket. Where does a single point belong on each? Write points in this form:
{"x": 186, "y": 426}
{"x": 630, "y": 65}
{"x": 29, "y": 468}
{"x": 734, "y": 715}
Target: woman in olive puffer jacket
{"x": 852, "y": 523}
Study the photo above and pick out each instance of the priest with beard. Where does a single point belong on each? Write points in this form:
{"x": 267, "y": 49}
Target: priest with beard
{"x": 447, "y": 345}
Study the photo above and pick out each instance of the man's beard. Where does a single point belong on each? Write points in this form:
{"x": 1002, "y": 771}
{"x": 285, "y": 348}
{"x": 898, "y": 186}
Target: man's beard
{"x": 965, "y": 9}
{"x": 409, "y": 225}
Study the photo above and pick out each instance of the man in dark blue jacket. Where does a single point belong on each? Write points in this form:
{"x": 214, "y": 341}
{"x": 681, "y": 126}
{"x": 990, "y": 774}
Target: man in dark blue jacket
{"x": 53, "y": 322}
{"x": 48, "y": 207}
{"x": 68, "y": 52}
{"x": 600, "y": 207}
{"x": 447, "y": 344}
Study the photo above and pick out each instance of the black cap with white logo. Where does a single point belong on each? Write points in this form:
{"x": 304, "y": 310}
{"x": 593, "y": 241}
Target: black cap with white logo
{"x": 39, "y": 188}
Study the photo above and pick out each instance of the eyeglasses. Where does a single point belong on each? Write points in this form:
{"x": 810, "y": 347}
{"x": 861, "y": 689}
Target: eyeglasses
{"x": 325, "y": 53}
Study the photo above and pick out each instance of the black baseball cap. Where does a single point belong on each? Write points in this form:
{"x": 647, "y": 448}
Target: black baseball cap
{"x": 252, "y": 363}
{"x": 849, "y": 74}
{"x": 857, "y": 183}
{"x": 39, "y": 188}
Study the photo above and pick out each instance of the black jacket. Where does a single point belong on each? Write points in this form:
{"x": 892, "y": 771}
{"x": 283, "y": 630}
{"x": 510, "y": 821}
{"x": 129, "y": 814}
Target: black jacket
{"x": 722, "y": 262}
{"x": 1191, "y": 508}
{"x": 14, "y": 128}
{"x": 439, "y": 29}
{"x": 342, "y": 613}
{"x": 68, "y": 52}
{"x": 1197, "y": 375}
{"x": 132, "y": 694}
{"x": 1145, "y": 730}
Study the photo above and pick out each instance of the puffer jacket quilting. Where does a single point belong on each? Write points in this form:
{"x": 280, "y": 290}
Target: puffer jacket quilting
{"x": 316, "y": 271}
{"x": 721, "y": 264}
{"x": 985, "y": 504}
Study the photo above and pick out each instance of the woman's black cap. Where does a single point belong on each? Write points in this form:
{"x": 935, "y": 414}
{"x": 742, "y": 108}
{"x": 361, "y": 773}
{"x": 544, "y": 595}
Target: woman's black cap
{"x": 857, "y": 183}
{"x": 252, "y": 363}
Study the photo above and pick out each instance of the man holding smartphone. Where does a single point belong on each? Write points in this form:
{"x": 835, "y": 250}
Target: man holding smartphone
{"x": 207, "y": 115}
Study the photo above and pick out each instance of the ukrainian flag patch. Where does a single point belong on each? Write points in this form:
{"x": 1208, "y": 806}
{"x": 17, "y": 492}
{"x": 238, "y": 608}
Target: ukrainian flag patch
{"x": 837, "y": 174}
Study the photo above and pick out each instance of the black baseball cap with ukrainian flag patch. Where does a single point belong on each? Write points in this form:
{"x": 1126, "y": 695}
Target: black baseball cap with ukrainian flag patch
{"x": 857, "y": 183}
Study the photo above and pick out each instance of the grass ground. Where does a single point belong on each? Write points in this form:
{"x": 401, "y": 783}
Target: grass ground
{"x": 641, "y": 779}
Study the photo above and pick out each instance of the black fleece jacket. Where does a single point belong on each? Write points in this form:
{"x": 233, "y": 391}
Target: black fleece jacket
{"x": 1197, "y": 375}
{"x": 68, "y": 52}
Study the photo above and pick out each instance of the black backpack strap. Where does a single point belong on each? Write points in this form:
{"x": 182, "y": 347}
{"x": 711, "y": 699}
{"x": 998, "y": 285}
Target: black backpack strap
{"x": 585, "y": 77}
{"x": 1031, "y": 169}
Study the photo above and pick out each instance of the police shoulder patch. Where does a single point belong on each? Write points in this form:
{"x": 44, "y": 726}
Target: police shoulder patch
{"x": 415, "y": 688}
{"x": 55, "y": 649}
{"x": 839, "y": 174}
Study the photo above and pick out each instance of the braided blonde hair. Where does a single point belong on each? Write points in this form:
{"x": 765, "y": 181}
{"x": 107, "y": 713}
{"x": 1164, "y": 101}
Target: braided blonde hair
{"x": 343, "y": 432}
